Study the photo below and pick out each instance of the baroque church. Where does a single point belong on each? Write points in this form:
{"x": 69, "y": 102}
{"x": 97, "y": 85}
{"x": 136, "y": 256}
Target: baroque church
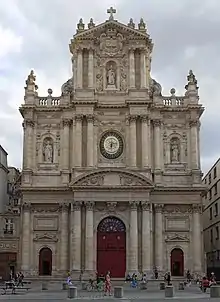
{"x": 111, "y": 177}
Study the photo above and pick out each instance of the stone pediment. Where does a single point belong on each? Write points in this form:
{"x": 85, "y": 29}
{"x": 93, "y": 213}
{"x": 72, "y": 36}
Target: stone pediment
{"x": 176, "y": 238}
{"x": 46, "y": 237}
{"x": 111, "y": 179}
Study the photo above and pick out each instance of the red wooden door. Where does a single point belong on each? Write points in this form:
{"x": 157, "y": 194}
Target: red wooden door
{"x": 177, "y": 262}
{"x": 111, "y": 248}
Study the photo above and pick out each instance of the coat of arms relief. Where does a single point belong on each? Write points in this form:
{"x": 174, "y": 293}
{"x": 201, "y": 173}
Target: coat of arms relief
{"x": 111, "y": 62}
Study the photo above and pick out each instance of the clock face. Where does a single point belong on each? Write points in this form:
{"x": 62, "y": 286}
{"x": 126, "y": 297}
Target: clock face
{"x": 111, "y": 145}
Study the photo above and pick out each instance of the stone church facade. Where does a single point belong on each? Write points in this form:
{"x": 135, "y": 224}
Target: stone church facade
{"x": 111, "y": 174}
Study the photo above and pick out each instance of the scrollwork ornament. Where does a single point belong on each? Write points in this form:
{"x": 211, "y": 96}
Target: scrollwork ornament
{"x": 28, "y": 123}
{"x": 89, "y": 205}
{"x": 197, "y": 208}
{"x": 79, "y": 118}
{"x": 26, "y": 206}
{"x": 111, "y": 206}
{"x": 90, "y": 118}
{"x": 158, "y": 207}
{"x": 133, "y": 118}
{"x": 66, "y": 122}
{"x": 195, "y": 123}
{"x": 157, "y": 123}
{"x": 144, "y": 119}
{"x": 65, "y": 206}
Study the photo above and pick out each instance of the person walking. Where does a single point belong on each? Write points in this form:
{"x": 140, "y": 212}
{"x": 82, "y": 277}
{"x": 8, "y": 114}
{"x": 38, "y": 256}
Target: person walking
{"x": 108, "y": 284}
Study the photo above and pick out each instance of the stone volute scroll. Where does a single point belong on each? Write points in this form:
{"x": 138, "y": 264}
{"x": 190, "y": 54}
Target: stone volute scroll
{"x": 48, "y": 151}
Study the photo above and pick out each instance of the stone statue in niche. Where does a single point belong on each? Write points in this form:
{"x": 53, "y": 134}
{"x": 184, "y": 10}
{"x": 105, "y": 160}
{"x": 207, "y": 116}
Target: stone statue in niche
{"x": 111, "y": 76}
{"x": 48, "y": 151}
{"x": 175, "y": 151}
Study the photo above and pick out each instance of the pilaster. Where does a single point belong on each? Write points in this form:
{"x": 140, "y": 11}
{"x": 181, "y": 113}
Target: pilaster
{"x": 89, "y": 250}
{"x": 79, "y": 68}
{"x": 91, "y": 69}
{"x": 64, "y": 235}
{"x": 75, "y": 245}
{"x": 194, "y": 142}
{"x": 78, "y": 141}
{"x": 133, "y": 141}
{"x": 146, "y": 237}
{"x": 28, "y": 126}
{"x": 143, "y": 70}
{"x": 145, "y": 141}
{"x": 157, "y": 151}
{"x": 131, "y": 69}
{"x": 197, "y": 238}
{"x": 90, "y": 140}
{"x": 26, "y": 228}
{"x": 159, "y": 240}
{"x": 133, "y": 238}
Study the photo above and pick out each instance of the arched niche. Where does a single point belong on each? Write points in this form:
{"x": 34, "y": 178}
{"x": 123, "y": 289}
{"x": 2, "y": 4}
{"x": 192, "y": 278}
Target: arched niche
{"x": 177, "y": 262}
{"x": 111, "y": 75}
{"x": 45, "y": 261}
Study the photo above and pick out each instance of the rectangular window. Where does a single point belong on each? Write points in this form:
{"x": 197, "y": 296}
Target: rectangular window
{"x": 215, "y": 189}
{"x": 210, "y": 194}
{"x": 210, "y": 213}
{"x": 215, "y": 172}
{"x": 205, "y": 181}
{"x": 217, "y": 232}
{"x": 211, "y": 235}
{"x": 9, "y": 226}
{"x": 216, "y": 209}
{"x": 210, "y": 178}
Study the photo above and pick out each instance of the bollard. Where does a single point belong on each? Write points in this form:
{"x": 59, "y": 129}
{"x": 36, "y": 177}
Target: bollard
{"x": 215, "y": 291}
{"x": 169, "y": 291}
{"x": 64, "y": 286}
{"x": 44, "y": 286}
{"x": 162, "y": 285}
{"x": 72, "y": 292}
{"x": 84, "y": 285}
{"x": 118, "y": 292}
{"x": 181, "y": 286}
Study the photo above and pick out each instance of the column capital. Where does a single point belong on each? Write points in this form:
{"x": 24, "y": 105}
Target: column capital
{"x": 76, "y": 205}
{"x": 144, "y": 118}
{"x": 26, "y": 206}
{"x": 194, "y": 123}
{"x": 90, "y": 118}
{"x": 158, "y": 207}
{"x": 134, "y": 205}
{"x": 78, "y": 117}
{"x": 197, "y": 208}
{"x": 64, "y": 206}
{"x": 133, "y": 118}
{"x": 89, "y": 205}
{"x": 28, "y": 123}
{"x": 146, "y": 205}
{"x": 66, "y": 122}
{"x": 157, "y": 123}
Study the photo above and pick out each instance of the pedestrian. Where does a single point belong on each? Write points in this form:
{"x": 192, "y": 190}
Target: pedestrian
{"x": 108, "y": 284}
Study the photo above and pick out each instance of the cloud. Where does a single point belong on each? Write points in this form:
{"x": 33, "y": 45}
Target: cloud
{"x": 35, "y": 34}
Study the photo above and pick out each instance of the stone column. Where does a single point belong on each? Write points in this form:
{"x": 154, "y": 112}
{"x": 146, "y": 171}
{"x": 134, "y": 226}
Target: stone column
{"x": 90, "y": 70}
{"x": 143, "y": 70}
{"x": 78, "y": 141}
{"x": 64, "y": 235}
{"x": 90, "y": 141}
{"x": 26, "y": 230}
{"x": 157, "y": 145}
{"x": 79, "y": 69}
{"x": 89, "y": 256}
{"x": 194, "y": 144}
{"x": 133, "y": 142}
{"x": 75, "y": 247}
{"x": 132, "y": 68}
{"x": 73, "y": 151}
{"x": 28, "y": 144}
{"x": 159, "y": 241}
{"x": 133, "y": 238}
{"x": 197, "y": 238}
{"x": 66, "y": 144}
{"x": 146, "y": 237}
{"x": 145, "y": 141}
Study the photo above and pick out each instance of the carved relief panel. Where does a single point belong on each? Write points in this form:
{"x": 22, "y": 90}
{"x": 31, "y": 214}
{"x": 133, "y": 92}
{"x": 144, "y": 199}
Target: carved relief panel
{"x": 111, "y": 62}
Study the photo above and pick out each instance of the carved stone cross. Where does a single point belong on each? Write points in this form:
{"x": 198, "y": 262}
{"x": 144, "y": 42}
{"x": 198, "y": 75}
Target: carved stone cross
{"x": 111, "y": 11}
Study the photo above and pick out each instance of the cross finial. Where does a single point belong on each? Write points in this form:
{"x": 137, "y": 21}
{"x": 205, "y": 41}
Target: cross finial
{"x": 111, "y": 11}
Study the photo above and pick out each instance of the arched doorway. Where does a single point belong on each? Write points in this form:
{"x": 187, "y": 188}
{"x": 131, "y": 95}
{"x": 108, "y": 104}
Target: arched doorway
{"x": 111, "y": 247}
{"x": 45, "y": 262}
{"x": 177, "y": 262}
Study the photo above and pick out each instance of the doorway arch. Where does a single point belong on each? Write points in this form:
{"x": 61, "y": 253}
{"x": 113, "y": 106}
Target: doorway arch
{"x": 177, "y": 262}
{"x": 111, "y": 247}
{"x": 45, "y": 262}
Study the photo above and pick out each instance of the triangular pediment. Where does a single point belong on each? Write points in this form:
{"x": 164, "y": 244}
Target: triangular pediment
{"x": 113, "y": 178}
{"x": 97, "y": 30}
{"x": 176, "y": 238}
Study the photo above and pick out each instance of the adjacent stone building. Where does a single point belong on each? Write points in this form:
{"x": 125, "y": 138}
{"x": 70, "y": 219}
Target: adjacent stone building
{"x": 10, "y": 179}
{"x": 211, "y": 219}
{"x": 111, "y": 174}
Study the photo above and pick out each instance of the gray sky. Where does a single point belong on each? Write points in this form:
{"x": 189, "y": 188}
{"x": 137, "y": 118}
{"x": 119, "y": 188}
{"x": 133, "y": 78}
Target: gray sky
{"x": 35, "y": 34}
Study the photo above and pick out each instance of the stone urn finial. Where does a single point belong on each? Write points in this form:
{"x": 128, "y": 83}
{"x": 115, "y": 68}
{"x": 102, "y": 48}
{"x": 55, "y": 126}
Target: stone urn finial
{"x": 91, "y": 24}
{"x": 142, "y": 25}
{"x": 80, "y": 25}
{"x": 131, "y": 23}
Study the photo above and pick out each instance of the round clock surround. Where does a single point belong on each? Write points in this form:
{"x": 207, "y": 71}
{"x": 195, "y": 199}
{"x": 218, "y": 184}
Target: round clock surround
{"x": 111, "y": 145}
